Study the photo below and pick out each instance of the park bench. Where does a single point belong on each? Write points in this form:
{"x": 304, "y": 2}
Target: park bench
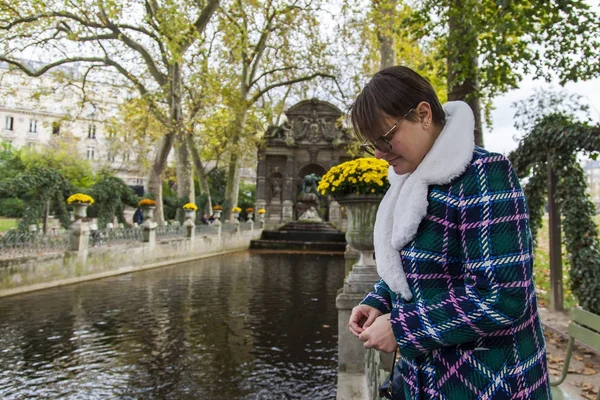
{"x": 585, "y": 327}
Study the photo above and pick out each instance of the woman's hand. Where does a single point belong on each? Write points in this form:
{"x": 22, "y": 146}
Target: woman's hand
{"x": 380, "y": 335}
{"x": 361, "y": 318}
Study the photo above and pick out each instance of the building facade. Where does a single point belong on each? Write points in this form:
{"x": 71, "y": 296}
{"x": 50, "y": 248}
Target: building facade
{"x": 36, "y": 110}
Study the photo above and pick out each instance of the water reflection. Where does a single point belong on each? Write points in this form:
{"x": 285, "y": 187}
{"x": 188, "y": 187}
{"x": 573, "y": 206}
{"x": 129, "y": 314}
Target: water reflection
{"x": 244, "y": 326}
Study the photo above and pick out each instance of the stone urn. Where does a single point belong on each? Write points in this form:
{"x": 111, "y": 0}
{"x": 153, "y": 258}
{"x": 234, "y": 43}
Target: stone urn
{"x": 261, "y": 217}
{"x": 361, "y": 210}
{"x": 80, "y": 210}
{"x": 235, "y": 215}
{"x": 188, "y": 214}
{"x": 217, "y": 213}
{"x": 148, "y": 213}
{"x": 250, "y": 215}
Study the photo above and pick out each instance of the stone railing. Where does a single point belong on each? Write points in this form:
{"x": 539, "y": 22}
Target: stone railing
{"x": 82, "y": 254}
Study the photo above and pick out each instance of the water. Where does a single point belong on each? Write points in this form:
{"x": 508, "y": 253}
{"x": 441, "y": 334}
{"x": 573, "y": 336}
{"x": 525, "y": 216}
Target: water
{"x": 243, "y": 326}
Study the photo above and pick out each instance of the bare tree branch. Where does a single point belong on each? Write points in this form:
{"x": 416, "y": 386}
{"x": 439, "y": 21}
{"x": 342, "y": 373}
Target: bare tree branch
{"x": 258, "y": 95}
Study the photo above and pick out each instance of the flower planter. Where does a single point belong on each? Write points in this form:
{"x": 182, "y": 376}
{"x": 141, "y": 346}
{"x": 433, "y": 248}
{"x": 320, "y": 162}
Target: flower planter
{"x": 148, "y": 213}
{"x": 188, "y": 214}
{"x": 250, "y": 215}
{"x": 80, "y": 210}
{"x": 217, "y": 213}
{"x": 362, "y": 210}
{"x": 235, "y": 215}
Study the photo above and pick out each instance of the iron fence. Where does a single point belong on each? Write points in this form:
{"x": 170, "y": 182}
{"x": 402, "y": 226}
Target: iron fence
{"x": 19, "y": 244}
{"x": 107, "y": 237}
{"x": 169, "y": 231}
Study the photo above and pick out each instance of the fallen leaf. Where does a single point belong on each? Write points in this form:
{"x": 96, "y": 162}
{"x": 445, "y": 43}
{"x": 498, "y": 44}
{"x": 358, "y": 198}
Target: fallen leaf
{"x": 578, "y": 357}
{"x": 589, "y": 371}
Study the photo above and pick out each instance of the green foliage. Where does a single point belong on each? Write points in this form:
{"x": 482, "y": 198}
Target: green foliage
{"x": 61, "y": 155}
{"x": 554, "y": 142}
{"x": 39, "y": 188}
{"x": 111, "y": 194}
{"x": 12, "y": 207}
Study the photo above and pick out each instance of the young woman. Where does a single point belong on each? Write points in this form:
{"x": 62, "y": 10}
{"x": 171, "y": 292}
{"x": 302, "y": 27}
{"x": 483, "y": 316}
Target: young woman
{"x": 453, "y": 249}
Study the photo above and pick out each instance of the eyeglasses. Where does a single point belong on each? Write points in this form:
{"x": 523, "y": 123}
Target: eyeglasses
{"x": 382, "y": 143}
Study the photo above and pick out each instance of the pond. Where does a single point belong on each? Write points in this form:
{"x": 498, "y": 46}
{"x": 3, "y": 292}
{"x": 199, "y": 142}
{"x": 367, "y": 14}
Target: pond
{"x": 241, "y": 326}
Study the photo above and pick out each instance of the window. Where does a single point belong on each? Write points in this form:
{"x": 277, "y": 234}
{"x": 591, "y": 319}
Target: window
{"x": 9, "y": 123}
{"x": 55, "y": 127}
{"x": 111, "y": 156}
{"x": 32, "y": 126}
{"x": 92, "y": 131}
{"x": 31, "y": 145}
{"x": 126, "y": 157}
{"x": 90, "y": 152}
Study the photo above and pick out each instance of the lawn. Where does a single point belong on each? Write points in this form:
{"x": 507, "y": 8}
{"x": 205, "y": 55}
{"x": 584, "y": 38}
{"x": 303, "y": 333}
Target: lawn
{"x": 541, "y": 269}
{"x": 7, "y": 223}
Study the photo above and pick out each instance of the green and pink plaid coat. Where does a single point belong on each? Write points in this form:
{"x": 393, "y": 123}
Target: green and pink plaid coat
{"x": 471, "y": 330}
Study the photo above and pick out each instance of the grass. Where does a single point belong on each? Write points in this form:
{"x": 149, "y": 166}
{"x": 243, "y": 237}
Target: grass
{"x": 7, "y": 223}
{"x": 541, "y": 269}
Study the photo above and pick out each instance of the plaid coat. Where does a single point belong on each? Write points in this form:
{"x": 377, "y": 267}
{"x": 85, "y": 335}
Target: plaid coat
{"x": 471, "y": 329}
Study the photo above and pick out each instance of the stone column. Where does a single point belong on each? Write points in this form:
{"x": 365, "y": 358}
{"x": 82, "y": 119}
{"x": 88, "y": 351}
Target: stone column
{"x": 149, "y": 227}
{"x": 351, "y": 353}
{"x": 79, "y": 236}
{"x": 261, "y": 180}
{"x": 190, "y": 228}
{"x": 288, "y": 185}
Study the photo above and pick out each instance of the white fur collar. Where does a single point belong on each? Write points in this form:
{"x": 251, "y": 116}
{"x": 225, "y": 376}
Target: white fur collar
{"x": 405, "y": 203}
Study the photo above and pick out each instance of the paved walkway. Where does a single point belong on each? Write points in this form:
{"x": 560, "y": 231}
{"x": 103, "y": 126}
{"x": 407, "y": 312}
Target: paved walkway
{"x": 583, "y": 380}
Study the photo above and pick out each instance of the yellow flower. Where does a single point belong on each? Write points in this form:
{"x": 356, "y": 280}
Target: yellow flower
{"x": 80, "y": 198}
{"x": 190, "y": 206}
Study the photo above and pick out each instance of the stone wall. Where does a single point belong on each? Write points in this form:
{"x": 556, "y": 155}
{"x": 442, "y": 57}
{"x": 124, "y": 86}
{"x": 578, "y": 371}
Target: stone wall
{"x": 26, "y": 274}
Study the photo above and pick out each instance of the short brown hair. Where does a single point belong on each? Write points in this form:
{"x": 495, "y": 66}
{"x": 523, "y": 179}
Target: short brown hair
{"x": 392, "y": 91}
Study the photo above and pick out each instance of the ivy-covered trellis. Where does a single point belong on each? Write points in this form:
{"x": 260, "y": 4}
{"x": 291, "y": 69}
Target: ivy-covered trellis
{"x": 111, "y": 195}
{"x": 547, "y": 155}
{"x": 43, "y": 189}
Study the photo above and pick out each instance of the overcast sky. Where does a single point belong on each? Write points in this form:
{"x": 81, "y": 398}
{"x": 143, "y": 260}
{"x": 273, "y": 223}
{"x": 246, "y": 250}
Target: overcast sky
{"x": 500, "y": 138}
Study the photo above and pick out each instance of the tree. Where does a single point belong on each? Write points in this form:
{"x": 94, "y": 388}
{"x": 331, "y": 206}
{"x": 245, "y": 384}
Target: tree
{"x": 147, "y": 42}
{"x": 268, "y": 45}
{"x": 490, "y": 45}
{"x": 371, "y": 37}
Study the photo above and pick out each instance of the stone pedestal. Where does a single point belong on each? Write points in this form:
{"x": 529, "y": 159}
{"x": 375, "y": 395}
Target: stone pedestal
{"x": 149, "y": 232}
{"x": 351, "y": 352}
{"x": 190, "y": 228}
{"x": 79, "y": 236}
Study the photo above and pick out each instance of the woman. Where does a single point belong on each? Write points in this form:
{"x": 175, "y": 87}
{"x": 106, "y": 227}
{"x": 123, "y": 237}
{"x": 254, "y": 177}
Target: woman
{"x": 453, "y": 249}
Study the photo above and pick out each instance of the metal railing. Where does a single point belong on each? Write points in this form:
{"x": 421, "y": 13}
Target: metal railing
{"x": 19, "y": 244}
{"x": 108, "y": 237}
{"x": 170, "y": 232}
{"x": 376, "y": 371}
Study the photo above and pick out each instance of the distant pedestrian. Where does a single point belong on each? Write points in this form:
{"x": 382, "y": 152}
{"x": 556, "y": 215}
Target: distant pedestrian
{"x": 204, "y": 219}
{"x": 138, "y": 216}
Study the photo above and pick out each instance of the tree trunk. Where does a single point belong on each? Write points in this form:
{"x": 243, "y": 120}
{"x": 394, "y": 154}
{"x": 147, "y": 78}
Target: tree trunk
{"x": 185, "y": 175}
{"x": 156, "y": 170}
{"x": 463, "y": 65}
{"x": 385, "y": 36}
{"x": 200, "y": 173}
{"x": 46, "y": 215}
{"x": 232, "y": 186}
